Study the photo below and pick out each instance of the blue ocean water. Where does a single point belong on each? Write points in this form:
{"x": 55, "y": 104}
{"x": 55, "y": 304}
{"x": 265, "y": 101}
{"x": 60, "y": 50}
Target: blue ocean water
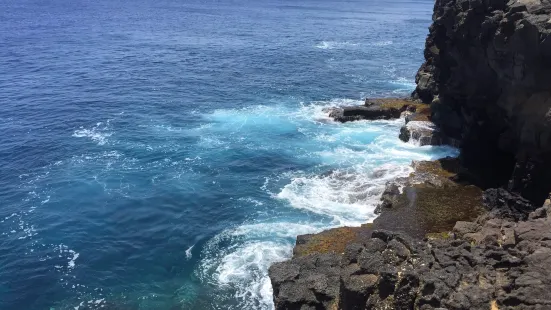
{"x": 162, "y": 154}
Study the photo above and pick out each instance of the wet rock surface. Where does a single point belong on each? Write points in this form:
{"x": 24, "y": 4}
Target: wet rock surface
{"x": 423, "y": 133}
{"x": 427, "y": 200}
{"x": 330, "y": 241}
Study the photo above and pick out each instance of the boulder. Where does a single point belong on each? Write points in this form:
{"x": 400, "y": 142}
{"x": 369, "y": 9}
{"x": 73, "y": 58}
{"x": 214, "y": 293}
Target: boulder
{"x": 421, "y": 132}
{"x": 389, "y": 197}
{"x": 310, "y": 282}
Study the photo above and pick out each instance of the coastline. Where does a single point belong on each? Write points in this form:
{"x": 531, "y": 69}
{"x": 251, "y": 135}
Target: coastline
{"x": 439, "y": 216}
{"x": 167, "y": 161}
{"x": 465, "y": 233}
{"x": 407, "y": 205}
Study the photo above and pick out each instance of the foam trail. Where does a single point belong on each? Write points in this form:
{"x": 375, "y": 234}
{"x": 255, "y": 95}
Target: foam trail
{"x": 329, "y": 45}
{"x": 347, "y": 196}
{"x": 98, "y": 133}
{"x": 188, "y": 252}
{"x": 243, "y": 267}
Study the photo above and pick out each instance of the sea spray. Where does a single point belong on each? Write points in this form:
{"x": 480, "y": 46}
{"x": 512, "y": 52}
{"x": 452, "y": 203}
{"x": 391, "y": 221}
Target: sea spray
{"x": 351, "y": 163}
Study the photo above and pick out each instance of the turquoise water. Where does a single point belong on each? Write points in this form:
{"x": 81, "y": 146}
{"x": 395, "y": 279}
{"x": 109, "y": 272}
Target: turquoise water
{"x": 162, "y": 154}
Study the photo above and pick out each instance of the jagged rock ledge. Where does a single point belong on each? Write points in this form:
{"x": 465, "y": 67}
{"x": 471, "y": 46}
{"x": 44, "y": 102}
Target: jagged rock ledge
{"x": 418, "y": 126}
{"x": 499, "y": 261}
{"x": 420, "y": 204}
{"x": 375, "y": 109}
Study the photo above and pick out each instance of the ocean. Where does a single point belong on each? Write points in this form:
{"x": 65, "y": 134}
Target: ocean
{"x": 162, "y": 154}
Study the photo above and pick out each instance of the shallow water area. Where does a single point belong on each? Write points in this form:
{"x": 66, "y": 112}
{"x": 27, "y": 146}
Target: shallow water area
{"x": 161, "y": 155}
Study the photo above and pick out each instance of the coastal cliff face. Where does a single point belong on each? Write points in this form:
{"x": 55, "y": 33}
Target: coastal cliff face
{"x": 487, "y": 76}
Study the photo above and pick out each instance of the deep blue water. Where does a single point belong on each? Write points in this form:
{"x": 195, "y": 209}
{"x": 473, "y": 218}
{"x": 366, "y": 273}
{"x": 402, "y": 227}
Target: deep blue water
{"x": 161, "y": 154}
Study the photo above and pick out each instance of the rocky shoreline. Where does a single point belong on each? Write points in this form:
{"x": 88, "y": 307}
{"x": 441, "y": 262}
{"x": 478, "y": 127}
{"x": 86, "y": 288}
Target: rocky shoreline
{"x": 490, "y": 263}
{"x": 439, "y": 243}
{"x": 466, "y": 233}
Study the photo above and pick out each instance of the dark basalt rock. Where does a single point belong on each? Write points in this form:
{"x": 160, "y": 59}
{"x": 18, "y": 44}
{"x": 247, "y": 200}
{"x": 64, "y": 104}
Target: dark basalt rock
{"x": 504, "y": 204}
{"x": 494, "y": 263}
{"x": 369, "y": 256}
{"x": 423, "y": 133}
{"x": 375, "y": 109}
{"x": 311, "y": 282}
{"x": 487, "y": 78}
{"x": 389, "y": 197}
{"x": 354, "y": 113}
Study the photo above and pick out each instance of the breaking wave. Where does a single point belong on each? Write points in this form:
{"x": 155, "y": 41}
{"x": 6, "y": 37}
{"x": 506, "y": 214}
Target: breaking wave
{"x": 351, "y": 163}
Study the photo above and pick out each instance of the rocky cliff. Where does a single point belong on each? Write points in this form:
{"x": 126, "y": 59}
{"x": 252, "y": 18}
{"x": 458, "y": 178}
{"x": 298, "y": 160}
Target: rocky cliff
{"x": 487, "y": 77}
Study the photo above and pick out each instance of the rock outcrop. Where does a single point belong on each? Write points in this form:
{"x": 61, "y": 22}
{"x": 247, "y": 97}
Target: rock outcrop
{"x": 424, "y": 203}
{"x": 487, "y": 77}
{"x": 374, "y": 109}
{"x": 492, "y": 263}
{"x": 424, "y": 133}
{"x": 313, "y": 278}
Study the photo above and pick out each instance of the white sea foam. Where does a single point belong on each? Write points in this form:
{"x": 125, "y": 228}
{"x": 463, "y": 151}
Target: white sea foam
{"x": 407, "y": 83}
{"x": 17, "y": 226}
{"x": 188, "y": 252}
{"x": 355, "y": 159}
{"x": 348, "y": 196}
{"x": 328, "y": 45}
{"x": 70, "y": 255}
{"x": 252, "y": 201}
{"x": 382, "y": 43}
{"x": 318, "y": 111}
{"x": 98, "y": 133}
{"x": 72, "y": 259}
{"x": 91, "y": 304}
{"x": 243, "y": 266}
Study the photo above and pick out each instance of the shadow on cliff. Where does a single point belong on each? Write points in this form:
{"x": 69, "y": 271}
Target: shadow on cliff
{"x": 487, "y": 78}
